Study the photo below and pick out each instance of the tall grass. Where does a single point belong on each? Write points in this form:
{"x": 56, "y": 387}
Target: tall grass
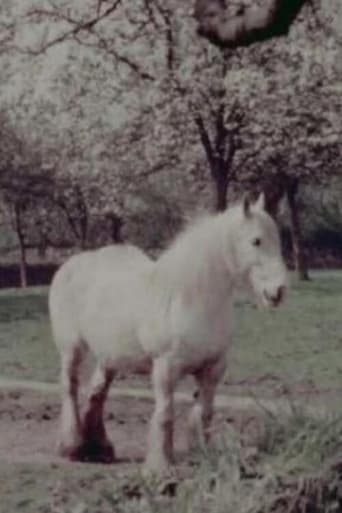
{"x": 294, "y": 469}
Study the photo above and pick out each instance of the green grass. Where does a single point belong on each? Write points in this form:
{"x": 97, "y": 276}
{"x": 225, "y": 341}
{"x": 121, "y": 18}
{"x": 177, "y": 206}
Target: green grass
{"x": 293, "y": 468}
{"x": 26, "y": 347}
{"x": 288, "y": 465}
{"x": 51, "y": 488}
{"x": 300, "y": 343}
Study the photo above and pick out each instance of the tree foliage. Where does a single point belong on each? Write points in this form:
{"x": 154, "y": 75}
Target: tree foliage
{"x": 128, "y": 109}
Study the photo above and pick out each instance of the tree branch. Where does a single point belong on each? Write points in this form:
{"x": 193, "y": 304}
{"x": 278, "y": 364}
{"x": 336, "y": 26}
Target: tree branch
{"x": 77, "y": 25}
{"x": 204, "y": 136}
{"x": 221, "y": 131}
{"x": 230, "y": 153}
{"x": 157, "y": 168}
{"x": 78, "y": 30}
{"x": 102, "y": 43}
{"x": 169, "y": 37}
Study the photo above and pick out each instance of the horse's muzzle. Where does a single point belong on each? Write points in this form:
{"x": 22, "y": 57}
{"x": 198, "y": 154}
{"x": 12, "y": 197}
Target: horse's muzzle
{"x": 276, "y": 298}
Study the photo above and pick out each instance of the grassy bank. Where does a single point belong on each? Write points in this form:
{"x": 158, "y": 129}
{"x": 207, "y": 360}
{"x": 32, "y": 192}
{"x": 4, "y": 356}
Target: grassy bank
{"x": 291, "y": 464}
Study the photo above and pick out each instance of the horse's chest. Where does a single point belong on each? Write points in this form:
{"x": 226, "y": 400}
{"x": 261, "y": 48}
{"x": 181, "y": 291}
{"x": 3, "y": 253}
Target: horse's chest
{"x": 206, "y": 327}
{"x": 192, "y": 333}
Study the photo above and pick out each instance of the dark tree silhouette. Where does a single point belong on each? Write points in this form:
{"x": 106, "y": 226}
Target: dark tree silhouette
{"x": 229, "y": 24}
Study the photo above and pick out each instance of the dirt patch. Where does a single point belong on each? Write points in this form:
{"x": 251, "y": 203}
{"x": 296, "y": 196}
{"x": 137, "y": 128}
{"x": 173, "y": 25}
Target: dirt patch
{"x": 29, "y": 427}
{"x": 35, "y": 480}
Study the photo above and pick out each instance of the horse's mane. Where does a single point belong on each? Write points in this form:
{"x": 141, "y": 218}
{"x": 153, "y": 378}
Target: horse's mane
{"x": 197, "y": 228}
{"x": 191, "y": 229}
{"x": 195, "y": 255}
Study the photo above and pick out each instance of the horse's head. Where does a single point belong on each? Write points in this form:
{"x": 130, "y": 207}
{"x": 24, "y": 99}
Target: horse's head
{"x": 256, "y": 251}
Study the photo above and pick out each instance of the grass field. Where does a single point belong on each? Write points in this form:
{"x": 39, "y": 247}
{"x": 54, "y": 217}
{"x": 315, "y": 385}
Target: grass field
{"x": 297, "y": 345}
{"x": 293, "y": 465}
{"x": 293, "y": 469}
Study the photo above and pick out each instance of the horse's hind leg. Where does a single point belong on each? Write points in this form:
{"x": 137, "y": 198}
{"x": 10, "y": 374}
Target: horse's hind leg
{"x": 96, "y": 446}
{"x": 207, "y": 378}
{"x": 71, "y": 435}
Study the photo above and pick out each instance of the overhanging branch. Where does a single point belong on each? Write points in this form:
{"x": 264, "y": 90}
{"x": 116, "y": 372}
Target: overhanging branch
{"x": 77, "y": 26}
{"x": 229, "y": 25}
{"x": 84, "y": 31}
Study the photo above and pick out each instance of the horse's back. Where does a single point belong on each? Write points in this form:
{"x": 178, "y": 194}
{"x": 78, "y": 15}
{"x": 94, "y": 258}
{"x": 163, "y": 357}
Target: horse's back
{"x": 79, "y": 278}
{"x": 120, "y": 254}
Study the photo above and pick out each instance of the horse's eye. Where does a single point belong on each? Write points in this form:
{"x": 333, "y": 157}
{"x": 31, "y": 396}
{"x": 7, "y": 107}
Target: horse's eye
{"x": 257, "y": 242}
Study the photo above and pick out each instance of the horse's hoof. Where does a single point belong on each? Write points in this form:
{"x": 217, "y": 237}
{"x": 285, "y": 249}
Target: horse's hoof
{"x": 89, "y": 451}
{"x": 72, "y": 453}
{"x": 97, "y": 452}
{"x": 158, "y": 469}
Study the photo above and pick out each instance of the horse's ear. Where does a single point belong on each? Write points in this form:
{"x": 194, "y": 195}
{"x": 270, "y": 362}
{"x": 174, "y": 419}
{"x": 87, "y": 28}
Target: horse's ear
{"x": 247, "y": 205}
{"x": 260, "y": 202}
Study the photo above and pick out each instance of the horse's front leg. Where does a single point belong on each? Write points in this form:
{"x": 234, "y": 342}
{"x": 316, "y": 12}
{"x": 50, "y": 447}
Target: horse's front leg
{"x": 160, "y": 443}
{"x": 201, "y": 414}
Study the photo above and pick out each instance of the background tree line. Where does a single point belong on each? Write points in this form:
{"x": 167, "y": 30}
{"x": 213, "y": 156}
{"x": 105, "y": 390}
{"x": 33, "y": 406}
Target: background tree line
{"x": 118, "y": 121}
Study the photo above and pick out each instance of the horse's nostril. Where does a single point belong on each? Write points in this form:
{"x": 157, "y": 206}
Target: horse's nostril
{"x": 281, "y": 292}
{"x": 277, "y": 297}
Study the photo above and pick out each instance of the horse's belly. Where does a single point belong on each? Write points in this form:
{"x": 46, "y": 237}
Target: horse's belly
{"x": 125, "y": 364}
{"x": 206, "y": 343}
{"x": 115, "y": 343}
{"x": 109, "y": 321}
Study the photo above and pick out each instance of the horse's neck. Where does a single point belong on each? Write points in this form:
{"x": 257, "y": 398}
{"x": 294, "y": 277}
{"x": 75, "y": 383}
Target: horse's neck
{"x": 194, "y": 267}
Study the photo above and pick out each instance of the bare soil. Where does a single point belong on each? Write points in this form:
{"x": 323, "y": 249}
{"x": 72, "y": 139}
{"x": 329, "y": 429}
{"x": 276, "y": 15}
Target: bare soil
{"x": 29, "y": 427}
{"x": 34, "y": 479}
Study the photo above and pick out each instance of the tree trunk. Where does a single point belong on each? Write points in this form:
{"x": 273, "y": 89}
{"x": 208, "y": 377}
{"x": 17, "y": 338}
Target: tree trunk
{"x": 221, "y": 186}
{"x": 220, "y": 155}
{"x": 229, "y": 24}
{"x": 23, "y": 265}
{"x": 42, "y": 249}
{"x": 299, "y": 255}
{"x": 274, "y": 189}
{"x": 43, "y": 241}
{"x": 22, "y": 245}
{"x": 83, "y": 217}
{"x": 115, "y": 226}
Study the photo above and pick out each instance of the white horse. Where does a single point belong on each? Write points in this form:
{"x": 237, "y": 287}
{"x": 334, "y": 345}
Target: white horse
{"x": 174, "y": 313}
